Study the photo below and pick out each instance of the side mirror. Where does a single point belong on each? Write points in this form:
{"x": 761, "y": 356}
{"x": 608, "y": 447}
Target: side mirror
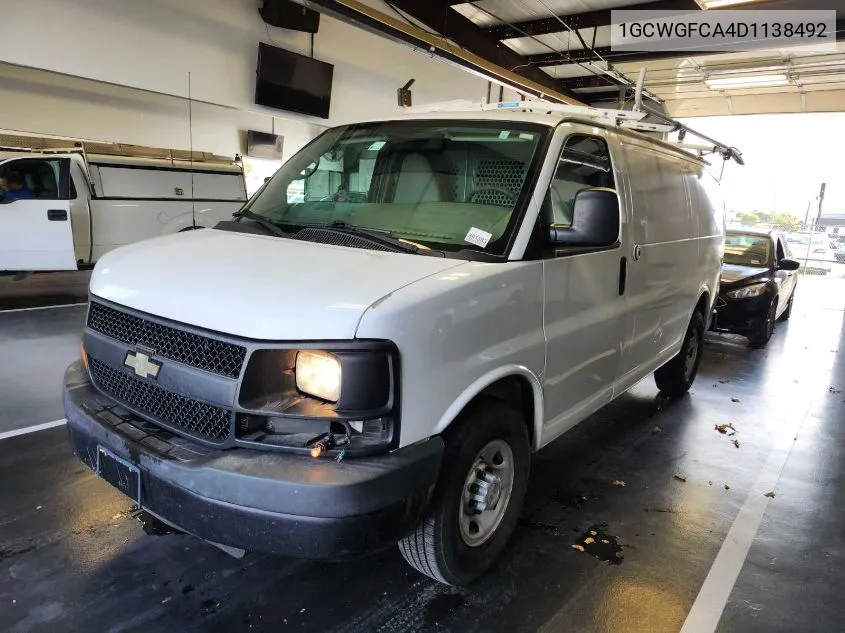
{"x": 595, "y": 220}
{"x": 788, "y": 264}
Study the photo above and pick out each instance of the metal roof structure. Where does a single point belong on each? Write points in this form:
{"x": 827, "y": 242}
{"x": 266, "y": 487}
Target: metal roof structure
{"x": 565, "y": 46}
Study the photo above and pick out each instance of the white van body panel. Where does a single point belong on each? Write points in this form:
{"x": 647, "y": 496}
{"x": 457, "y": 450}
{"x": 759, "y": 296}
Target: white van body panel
{"x": 454, "y": 329}
{"x": 585, "y": 317}
{"x": 256, "y": 286}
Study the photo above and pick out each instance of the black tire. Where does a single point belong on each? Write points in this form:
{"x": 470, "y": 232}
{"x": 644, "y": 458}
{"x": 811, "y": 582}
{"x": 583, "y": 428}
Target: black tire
{"x": 788, "y": 312}
{"x": 438, "y": 547}
{"x": 762, "y": 332}
{"x": 676, "y": 377}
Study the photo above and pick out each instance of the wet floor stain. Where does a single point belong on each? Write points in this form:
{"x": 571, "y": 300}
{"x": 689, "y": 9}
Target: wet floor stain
{"x": 599, "y": 544}
{"x": 569, "y": 499}
{"x": 210, "y": 605}
{"x": 153, "y": 526}
{"x": 9, "y": 553}
{"x": 441, "y": 607}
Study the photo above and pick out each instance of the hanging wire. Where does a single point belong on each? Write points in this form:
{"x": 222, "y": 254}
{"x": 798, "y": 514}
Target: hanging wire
{"x": 607, "y": 74}
{"x": 523, "y": 33}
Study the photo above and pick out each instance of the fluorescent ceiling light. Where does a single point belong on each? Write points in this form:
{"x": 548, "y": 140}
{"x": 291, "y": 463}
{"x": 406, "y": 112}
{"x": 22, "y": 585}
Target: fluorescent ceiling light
{"x": 718, "y": 4}
{"x": 755, "y": 81}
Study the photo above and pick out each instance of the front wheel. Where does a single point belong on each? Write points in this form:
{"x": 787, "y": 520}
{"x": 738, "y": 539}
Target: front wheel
{"x": 762, "y": 332}
{"x": 676, "y": 377}
{"x": 478, "y": 498}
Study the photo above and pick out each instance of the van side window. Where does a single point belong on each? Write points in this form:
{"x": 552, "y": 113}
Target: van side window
{"x": 583, "y": 164}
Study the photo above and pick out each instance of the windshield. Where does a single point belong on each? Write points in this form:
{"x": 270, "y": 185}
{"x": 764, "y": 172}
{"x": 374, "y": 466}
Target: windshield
{"x": 748, "y": 250}
{"x": 440, "y": 184}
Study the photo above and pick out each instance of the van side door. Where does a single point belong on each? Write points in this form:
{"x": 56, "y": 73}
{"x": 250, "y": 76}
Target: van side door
{"x": 35, "y": 223}
{"x": 664, "y": 279}
{"x": 585, "y": 309}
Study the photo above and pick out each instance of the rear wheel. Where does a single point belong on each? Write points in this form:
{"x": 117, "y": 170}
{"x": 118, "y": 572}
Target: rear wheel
{"x": 676, "y": 377}
{"x": 478, "y": 498}
{"x": 762, "y": 333}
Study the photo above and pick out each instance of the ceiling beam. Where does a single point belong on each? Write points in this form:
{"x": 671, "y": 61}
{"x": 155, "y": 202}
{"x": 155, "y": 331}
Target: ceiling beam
{"x": 581, "y": 56}
{"x": 587, "y": 20}
{"x": 439, "y": 17}
{"x": 402, "y": 31}
{"x": 590, "y": 81}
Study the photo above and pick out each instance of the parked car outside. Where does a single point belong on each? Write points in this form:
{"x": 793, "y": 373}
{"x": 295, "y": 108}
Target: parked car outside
{"x": 757, "y": 285}
{"x": 811, "y": 251}
{"x": 837, "y": 243}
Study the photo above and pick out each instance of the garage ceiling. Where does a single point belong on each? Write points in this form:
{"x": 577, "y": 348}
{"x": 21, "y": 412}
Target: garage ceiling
{"x": 569, "y": 41}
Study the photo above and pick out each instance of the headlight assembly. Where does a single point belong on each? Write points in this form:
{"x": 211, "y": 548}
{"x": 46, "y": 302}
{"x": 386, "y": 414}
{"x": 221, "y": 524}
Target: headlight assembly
{"x": 318, "y": 374}
{"x": 342, "y": 396}
{"x": 749, "y": 291}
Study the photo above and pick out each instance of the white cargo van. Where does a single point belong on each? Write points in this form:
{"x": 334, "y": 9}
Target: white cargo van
{"x": 79, "y": 206}
{"x": 404, "y": 313}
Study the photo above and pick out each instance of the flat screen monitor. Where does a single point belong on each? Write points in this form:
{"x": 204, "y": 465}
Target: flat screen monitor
{"x": 293, "y": 82}
{"x": 264, "y": 145}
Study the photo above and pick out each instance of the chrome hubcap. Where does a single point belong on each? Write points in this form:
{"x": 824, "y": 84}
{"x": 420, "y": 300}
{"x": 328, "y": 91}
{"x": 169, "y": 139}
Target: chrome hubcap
{"x": 486, "y": 493}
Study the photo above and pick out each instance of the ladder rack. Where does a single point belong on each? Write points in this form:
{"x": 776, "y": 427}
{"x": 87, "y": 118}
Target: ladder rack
{"x": 626, "y": 119}
{"x": 18, "y": 143}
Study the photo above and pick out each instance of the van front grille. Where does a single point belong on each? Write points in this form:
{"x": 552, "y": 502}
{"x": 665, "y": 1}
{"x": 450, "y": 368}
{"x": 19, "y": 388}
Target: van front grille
{"x": 204, "y": 420}
{"x": 202, "y": 352}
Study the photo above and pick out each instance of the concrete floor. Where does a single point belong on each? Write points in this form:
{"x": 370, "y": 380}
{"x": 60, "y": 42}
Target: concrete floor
{"x": 72, "y": 557}
{"x": 43, "y": 289}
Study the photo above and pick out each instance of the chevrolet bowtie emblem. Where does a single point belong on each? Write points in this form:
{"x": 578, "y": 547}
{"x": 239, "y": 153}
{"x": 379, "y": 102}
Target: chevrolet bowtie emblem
{"x": 142, "y": 364}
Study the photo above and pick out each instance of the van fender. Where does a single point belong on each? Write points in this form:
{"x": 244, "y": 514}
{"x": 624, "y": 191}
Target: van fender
{"x": 708, "y": 309}
{"x": 480, "y": 384}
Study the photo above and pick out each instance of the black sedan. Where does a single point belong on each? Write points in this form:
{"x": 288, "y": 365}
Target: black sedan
{"x": 757, "y": 286}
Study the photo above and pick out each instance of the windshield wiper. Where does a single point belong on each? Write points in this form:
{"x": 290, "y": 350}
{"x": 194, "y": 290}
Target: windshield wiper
{"x": 381, "y": 236}
{"x": 262, "y": 221}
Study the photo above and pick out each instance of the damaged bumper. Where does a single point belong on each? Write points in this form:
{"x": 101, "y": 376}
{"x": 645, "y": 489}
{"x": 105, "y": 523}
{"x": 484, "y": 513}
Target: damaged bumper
{"x": 250, "y": 499}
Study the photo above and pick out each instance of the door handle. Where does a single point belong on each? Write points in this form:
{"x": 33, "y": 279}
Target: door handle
{"x": 57, "y": 215}
{"x": 623, "y": 275}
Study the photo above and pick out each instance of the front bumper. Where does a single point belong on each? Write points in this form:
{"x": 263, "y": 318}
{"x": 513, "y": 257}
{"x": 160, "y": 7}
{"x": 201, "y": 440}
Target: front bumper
{"x": 256, "y": 500}
{"x": 741, "y": 315}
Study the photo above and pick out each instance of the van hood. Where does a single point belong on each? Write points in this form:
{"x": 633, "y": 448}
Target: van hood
{"x": 256, "y": 286}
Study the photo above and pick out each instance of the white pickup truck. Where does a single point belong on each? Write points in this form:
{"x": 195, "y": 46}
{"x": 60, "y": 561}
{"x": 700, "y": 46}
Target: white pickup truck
{"x": 77, "y": 207}
{"x": 376, "y": 359}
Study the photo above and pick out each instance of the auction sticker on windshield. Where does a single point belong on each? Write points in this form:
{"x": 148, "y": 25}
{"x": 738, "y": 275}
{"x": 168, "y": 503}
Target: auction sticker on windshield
{"x": 478, "y": 237}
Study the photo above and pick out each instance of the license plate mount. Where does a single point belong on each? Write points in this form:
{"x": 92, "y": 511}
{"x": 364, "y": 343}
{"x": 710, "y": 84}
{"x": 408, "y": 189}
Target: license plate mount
{"x": 120, "y": 473}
